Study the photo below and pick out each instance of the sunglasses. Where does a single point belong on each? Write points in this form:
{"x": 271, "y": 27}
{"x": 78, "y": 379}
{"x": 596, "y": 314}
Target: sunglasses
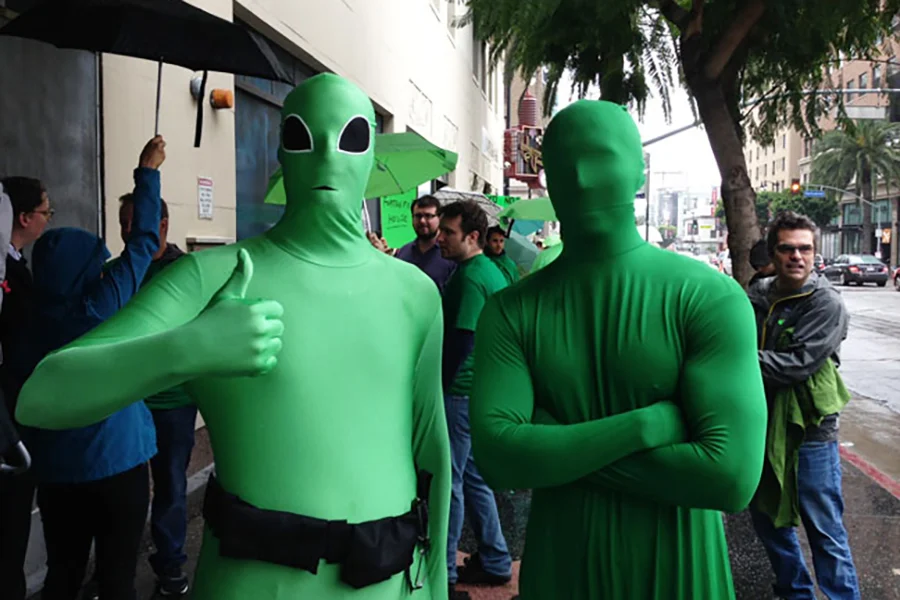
{"x": 790, "y": 249}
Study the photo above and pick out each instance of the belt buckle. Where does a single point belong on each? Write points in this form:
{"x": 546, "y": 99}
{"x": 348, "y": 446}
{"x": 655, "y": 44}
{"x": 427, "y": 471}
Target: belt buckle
{"x": 424, "y": 542}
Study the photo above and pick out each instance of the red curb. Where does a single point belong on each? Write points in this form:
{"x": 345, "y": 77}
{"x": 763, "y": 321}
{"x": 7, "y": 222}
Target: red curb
{"x": 884, "y": 481}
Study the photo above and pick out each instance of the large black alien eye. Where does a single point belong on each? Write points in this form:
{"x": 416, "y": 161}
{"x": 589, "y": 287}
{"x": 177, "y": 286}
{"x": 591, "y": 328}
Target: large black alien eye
{"x": 356, "y": 136}
{"x": 295, "y": 135}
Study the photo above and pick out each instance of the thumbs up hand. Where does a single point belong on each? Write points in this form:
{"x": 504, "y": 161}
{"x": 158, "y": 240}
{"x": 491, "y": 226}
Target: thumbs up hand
{"x": 239, "y": 337}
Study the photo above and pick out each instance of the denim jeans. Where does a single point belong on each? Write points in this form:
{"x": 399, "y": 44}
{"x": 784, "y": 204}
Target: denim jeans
{"x": 168, "y": 513}
{"x": 821, "y": 511}
{"x": 470, "y": 493}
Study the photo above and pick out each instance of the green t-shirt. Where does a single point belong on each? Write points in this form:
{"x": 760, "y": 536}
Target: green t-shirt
{"x": 508, "y": 267}
{"x": 467, "y": 292}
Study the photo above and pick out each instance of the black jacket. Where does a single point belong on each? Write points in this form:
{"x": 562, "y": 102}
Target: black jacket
{"x": 15, "y": 325}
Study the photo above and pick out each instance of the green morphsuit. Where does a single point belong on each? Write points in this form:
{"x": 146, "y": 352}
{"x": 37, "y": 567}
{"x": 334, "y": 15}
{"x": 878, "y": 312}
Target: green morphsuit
{"x": 307, "y": 411}
{"x": 621, "y": 383}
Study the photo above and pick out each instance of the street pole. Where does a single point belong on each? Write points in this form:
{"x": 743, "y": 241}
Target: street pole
{"x": 647, "y": 198}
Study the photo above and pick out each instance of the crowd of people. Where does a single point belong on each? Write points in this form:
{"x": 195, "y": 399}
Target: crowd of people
{"x": 637, "y": 393}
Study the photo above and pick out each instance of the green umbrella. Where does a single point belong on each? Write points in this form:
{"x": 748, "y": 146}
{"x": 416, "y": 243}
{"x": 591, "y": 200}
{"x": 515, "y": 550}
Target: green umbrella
{"x": 402, "y": 162}
{"x": 532, "y": 209}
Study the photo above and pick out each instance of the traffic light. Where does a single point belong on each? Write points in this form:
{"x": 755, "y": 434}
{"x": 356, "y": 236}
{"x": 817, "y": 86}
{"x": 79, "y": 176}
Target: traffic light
{"x": 695, "y": 227}
{"x": 795, "y": 187}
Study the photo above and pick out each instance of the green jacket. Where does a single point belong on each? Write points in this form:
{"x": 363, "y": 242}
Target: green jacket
{"x": 792, "y": 410}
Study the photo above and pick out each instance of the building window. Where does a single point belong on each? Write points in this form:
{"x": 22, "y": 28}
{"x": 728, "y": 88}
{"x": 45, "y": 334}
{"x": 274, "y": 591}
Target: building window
{"x": 479, "y": 61}
{"x": 805, "y": 178}
{"x": 881, "y": 212}
{"x": 852, "y": 214}
{"x": 864, "y": 81}
{"x": 850, "y": 85}
{"x": 784, "y": 141}
{"x": 757, "y": 154}
{"x": 807, "y": 147}
{"x": 783, "y": 161}
{"x": 876, "y": 77}
{"x": 765, "y": 170}
{"x": 773, "y": 168}
{"x": 757, "y": 174}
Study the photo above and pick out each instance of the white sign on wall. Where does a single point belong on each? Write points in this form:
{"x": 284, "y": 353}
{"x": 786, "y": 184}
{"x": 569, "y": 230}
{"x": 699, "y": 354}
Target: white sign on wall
{"x": 205, "y": 197}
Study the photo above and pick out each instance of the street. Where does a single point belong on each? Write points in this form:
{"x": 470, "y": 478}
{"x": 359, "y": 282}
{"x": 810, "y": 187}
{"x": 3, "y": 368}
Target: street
{"x": 870, "y": 434}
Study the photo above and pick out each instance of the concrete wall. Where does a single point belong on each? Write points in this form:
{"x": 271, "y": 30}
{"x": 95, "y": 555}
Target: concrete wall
{"x": 406, "y": 54}
{"x": 129, "y": 100}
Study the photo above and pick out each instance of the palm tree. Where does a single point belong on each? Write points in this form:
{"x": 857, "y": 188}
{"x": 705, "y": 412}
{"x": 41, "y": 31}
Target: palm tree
{"x": 859, "y": 153}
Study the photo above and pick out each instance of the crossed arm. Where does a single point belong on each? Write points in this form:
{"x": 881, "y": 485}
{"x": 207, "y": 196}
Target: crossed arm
{"x": 720, "y": 395}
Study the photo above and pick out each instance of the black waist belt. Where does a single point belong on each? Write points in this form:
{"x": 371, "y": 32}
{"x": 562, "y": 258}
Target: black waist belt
{"x": 368, "y": 553}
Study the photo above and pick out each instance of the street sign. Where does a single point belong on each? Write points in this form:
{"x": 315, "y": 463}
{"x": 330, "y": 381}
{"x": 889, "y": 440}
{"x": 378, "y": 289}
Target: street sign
{"x": 814, "y": 193}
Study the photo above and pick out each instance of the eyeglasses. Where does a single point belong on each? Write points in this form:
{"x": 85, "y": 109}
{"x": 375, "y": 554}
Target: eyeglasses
{"x": 47, "y": 213}
{"x": 424, "y": 216}
{"x": 790, "y": 249}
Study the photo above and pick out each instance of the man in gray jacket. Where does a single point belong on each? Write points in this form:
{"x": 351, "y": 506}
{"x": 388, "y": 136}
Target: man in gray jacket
{"x": 802, "y": 321}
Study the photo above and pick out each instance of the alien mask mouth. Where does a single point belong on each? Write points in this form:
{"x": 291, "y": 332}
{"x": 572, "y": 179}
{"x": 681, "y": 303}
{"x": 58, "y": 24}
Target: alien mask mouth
{"x": 325, "y": 188}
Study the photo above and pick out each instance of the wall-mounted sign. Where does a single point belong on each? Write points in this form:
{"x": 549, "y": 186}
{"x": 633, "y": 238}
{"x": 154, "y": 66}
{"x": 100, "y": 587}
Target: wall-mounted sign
{"x": 205, "y": 197}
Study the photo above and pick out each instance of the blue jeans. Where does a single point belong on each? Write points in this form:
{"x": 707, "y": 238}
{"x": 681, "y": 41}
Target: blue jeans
{"x": 821, "y": 511}
{"x": 470, "y": 493}
{"x": 168, "y": 515}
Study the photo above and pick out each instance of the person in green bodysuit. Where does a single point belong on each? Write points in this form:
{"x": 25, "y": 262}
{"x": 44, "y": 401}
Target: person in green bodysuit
{"x": 279, "y": 339}
{"x": 621, "y": 383}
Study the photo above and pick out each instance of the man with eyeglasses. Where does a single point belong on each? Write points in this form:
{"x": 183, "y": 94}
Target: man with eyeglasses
{"x": 802, "y": 321}
{"x": 31, "y": 214}
{"x": 424, "y": 251}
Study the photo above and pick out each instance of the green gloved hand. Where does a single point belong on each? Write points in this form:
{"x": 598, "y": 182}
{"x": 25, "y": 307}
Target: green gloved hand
{"x": 248, "y": 332}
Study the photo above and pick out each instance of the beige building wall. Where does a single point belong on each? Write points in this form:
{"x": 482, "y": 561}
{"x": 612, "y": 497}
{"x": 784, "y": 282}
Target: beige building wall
{"x": 773, "y": 167}
{"x": 421, "y": 71}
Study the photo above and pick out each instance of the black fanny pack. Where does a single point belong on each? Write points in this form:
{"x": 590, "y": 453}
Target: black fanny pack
{"x": 368, "y": 553}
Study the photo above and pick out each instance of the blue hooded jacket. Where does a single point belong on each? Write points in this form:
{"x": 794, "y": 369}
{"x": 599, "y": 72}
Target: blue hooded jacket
{"x": 73, "y": 294}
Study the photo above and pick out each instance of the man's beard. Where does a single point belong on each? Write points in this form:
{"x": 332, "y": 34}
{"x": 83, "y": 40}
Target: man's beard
{"x": 426, "y": 237}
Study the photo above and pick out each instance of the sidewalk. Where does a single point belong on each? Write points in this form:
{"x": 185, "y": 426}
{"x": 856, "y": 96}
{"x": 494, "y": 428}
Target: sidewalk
{"x": 872, "y": 517}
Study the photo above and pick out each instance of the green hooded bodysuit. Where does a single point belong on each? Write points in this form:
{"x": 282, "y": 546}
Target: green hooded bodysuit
{"x": 281, "y": 341}
{"x": 621, "y": 383}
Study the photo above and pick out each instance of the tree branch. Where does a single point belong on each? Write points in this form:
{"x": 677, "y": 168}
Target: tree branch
{"x": 695, "y": 20}
{"x": 728, "y": 44}
{"x": 672, "y": 11}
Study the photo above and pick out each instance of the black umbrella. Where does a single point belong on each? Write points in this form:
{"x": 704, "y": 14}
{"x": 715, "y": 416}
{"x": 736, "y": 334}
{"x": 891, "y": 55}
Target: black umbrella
{"x": 167, "y": 31}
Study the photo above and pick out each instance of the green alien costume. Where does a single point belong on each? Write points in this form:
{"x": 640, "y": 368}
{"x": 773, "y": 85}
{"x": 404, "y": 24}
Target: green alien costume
{"x": 621, "y": 383}
{"x": 307, "y": 411}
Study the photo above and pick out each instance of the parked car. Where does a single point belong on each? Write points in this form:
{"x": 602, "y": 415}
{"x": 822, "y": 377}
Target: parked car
{"x": 858, "y": 269}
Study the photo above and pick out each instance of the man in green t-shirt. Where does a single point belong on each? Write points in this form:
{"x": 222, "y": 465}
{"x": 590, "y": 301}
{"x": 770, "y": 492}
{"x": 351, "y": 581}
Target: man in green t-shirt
{"x": 461, "y": 238}
{"x": 495, "y": 249}
{"x": 175, "y": 417}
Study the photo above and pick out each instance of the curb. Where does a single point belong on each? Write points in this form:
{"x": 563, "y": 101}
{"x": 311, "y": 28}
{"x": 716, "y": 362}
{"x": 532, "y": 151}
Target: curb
{"x": 884, "y": 481}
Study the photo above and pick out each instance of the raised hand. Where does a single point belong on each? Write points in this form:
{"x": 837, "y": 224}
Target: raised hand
{"x": 238, "y": 336}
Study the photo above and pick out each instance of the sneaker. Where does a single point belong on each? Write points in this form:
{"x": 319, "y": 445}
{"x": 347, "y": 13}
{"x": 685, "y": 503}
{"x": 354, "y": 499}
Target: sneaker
{"x": 172, "y": 586}
{"x": 455, "y": 594}
{"x": 473, "y": 573}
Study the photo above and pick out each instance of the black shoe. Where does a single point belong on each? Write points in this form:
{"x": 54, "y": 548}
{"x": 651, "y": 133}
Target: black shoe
{"x": 172, "y": 586}
{"x": 455, "y": 594}
{"x": 473, "y": 573}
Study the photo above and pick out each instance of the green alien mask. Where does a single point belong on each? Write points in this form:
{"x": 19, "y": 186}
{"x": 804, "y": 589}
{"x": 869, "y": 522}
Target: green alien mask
{"x": 327, "y": 152}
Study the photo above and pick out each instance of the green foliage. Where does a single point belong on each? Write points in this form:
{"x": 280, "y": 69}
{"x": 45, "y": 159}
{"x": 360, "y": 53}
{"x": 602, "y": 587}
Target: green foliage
{"x": 858, "y": 151}
{"x": 763, "y": 200}
{"x": 820, "y": 210}
{"x": 768, "y": 204}
{"x": 628, "y": 48}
